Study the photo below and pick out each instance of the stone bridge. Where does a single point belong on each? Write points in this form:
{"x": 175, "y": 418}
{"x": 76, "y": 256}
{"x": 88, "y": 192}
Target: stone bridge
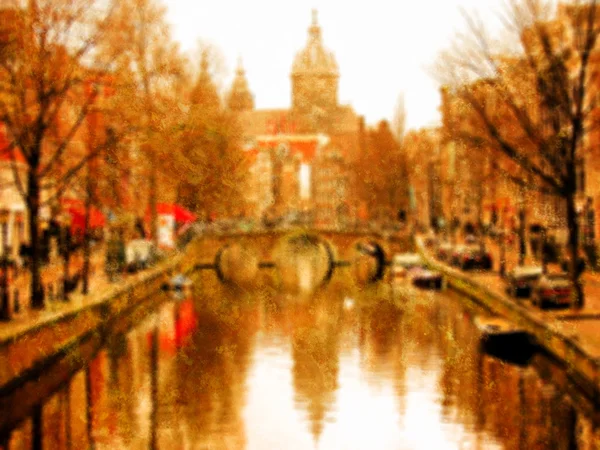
{"x": 341, "y": 245}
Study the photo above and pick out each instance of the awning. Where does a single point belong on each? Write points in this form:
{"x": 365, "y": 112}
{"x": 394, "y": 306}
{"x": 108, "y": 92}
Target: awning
{"x": 76, "y": 209}
{"x": 181, "y": 214}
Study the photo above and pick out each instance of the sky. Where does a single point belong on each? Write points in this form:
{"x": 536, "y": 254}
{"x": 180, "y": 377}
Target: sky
{"x": 383, "y": 47}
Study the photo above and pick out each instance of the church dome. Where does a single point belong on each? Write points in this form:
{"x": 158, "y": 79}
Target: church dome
{"x": 314, "y": 59}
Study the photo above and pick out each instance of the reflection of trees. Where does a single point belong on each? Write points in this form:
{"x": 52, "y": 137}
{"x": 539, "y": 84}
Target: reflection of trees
{"x": 121, "y": 388}
{"x": 503, "y": 400}
{"x": 421, "y": 328}
{"x": 482, "y": 392}
{"x": 379, "y": 327}
{"x": 315, "y": 352}
{"x": 523, "y": 411}
{"x": 459, "y": 380}
{"x": 210, "y": 372}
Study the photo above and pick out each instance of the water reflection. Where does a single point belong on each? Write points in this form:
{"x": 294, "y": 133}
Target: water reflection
{"x": 302, "y": 262}
{"x": 346, "y": 367}
{"x": 314, "y": 340}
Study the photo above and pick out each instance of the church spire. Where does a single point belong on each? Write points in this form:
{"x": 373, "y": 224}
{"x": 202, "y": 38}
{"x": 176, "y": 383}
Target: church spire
{"x": 239, "y": 71}
{"x": 204, "y": 93}
{"x": 240, "y": 98}
{"x": 315, "y": 29}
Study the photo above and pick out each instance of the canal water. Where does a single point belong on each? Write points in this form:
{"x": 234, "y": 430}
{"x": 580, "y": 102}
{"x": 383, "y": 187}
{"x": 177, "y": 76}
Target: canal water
{"x": 345, "y": 367}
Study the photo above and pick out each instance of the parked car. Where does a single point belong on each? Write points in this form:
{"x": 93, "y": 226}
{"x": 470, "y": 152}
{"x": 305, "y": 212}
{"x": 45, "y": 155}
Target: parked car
{"x": 430, "y": 240}
{"x": 473, "y": 257}
{"x": 521, "y": 280}
{"x": 493, "y": 231}
{"x": 566, "y": 262}
{"x": 471, "y": 239}
{"x": 555, "y": 289}
{"x": 404, "y": 262}
{"x": 444, "y": 251}
{"x": 456, "y": 253}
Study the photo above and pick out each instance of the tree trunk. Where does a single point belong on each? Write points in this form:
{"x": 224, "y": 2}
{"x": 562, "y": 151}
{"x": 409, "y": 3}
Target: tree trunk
{"x": 66, "y": 261}
{"x": 522, "y": 237}
{"x": 480, "y": 206}
{"x": 432, "y": 218}
{"x": 502, "y": 268}
{"x": 86, "y": 233}
{"x": 33, "y": 206}
{"x": 153, "y": 208}
{"x": 573, "y": 245}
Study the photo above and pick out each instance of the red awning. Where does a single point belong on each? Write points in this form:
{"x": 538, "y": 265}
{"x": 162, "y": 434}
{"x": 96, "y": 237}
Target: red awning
{"x": 181, "y": 214}
{"x": 76, "y": 209}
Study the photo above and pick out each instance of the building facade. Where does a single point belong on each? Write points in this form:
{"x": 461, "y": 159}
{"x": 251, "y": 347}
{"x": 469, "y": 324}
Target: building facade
{"x": 289, "y": 147}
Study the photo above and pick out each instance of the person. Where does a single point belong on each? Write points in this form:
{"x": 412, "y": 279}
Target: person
{"x": 139, "y": 226}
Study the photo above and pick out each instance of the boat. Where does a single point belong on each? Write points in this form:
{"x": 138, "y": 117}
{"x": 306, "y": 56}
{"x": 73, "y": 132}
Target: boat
{"x": 402, "y": 263}
{"x": 505, "y": 340}
{"x": 427, "y": 279}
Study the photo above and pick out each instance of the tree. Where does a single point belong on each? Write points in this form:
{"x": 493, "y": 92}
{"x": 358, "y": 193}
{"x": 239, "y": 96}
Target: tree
{"x": 420, "y": 150}
{"x": 382, "y": 183}
{"x": 211, "y": 166}
{"x": 399, "y": 130}
{"x": 45, "y": 97}
{"x": 538, "y": 103}
{"x": 150, "y": 74}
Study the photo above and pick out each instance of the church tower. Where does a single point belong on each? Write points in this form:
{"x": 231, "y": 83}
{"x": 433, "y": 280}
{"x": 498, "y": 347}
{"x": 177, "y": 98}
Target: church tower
{"x": 315, "y": 78}
{"x": 204, "y": 93}
{"x": 240, "y": 98}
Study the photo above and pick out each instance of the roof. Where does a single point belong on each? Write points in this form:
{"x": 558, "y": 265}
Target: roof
{"x": 345, "y": 121}
{"x": 305, "y": 145}
{"x": 265, "y": 121}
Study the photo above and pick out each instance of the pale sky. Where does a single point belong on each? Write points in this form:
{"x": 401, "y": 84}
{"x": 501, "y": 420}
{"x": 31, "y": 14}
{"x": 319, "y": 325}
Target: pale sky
{"x": 382, "y": 47}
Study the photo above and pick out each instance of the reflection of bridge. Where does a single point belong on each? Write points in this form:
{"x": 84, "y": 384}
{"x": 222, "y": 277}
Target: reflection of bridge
{"x": 342, "y": 247}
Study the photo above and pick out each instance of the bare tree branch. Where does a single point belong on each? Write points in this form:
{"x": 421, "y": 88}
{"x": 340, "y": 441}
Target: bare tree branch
{"x": 60, "y": 185}
{"x": 83, "y": 113}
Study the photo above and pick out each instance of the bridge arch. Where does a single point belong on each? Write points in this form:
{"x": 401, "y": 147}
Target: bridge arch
{"x": 375, "y": 250}
{"x": 339, "y": 247}
{"x": 302, "y": 238}
{"x": 236, "y": 263}
{"x": 218, "y": 261}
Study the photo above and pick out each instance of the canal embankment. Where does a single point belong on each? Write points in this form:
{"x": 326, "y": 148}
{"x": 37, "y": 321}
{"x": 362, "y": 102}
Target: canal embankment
{"x": 28, "y": 346}
{"x": 573, "y": 343}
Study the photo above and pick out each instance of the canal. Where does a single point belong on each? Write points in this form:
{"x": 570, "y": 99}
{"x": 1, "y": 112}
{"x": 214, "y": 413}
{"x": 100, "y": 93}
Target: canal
{"x": 345, "y": 367}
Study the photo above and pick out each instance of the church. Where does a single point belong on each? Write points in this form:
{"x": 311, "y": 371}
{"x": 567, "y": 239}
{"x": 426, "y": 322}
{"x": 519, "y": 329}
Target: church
{"x": 301, "y": 157}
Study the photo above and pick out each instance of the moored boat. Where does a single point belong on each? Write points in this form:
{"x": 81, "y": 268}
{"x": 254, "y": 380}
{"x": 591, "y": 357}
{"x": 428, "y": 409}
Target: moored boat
{"x": 505, "y": 340}
{"x": 427, "y": 279}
